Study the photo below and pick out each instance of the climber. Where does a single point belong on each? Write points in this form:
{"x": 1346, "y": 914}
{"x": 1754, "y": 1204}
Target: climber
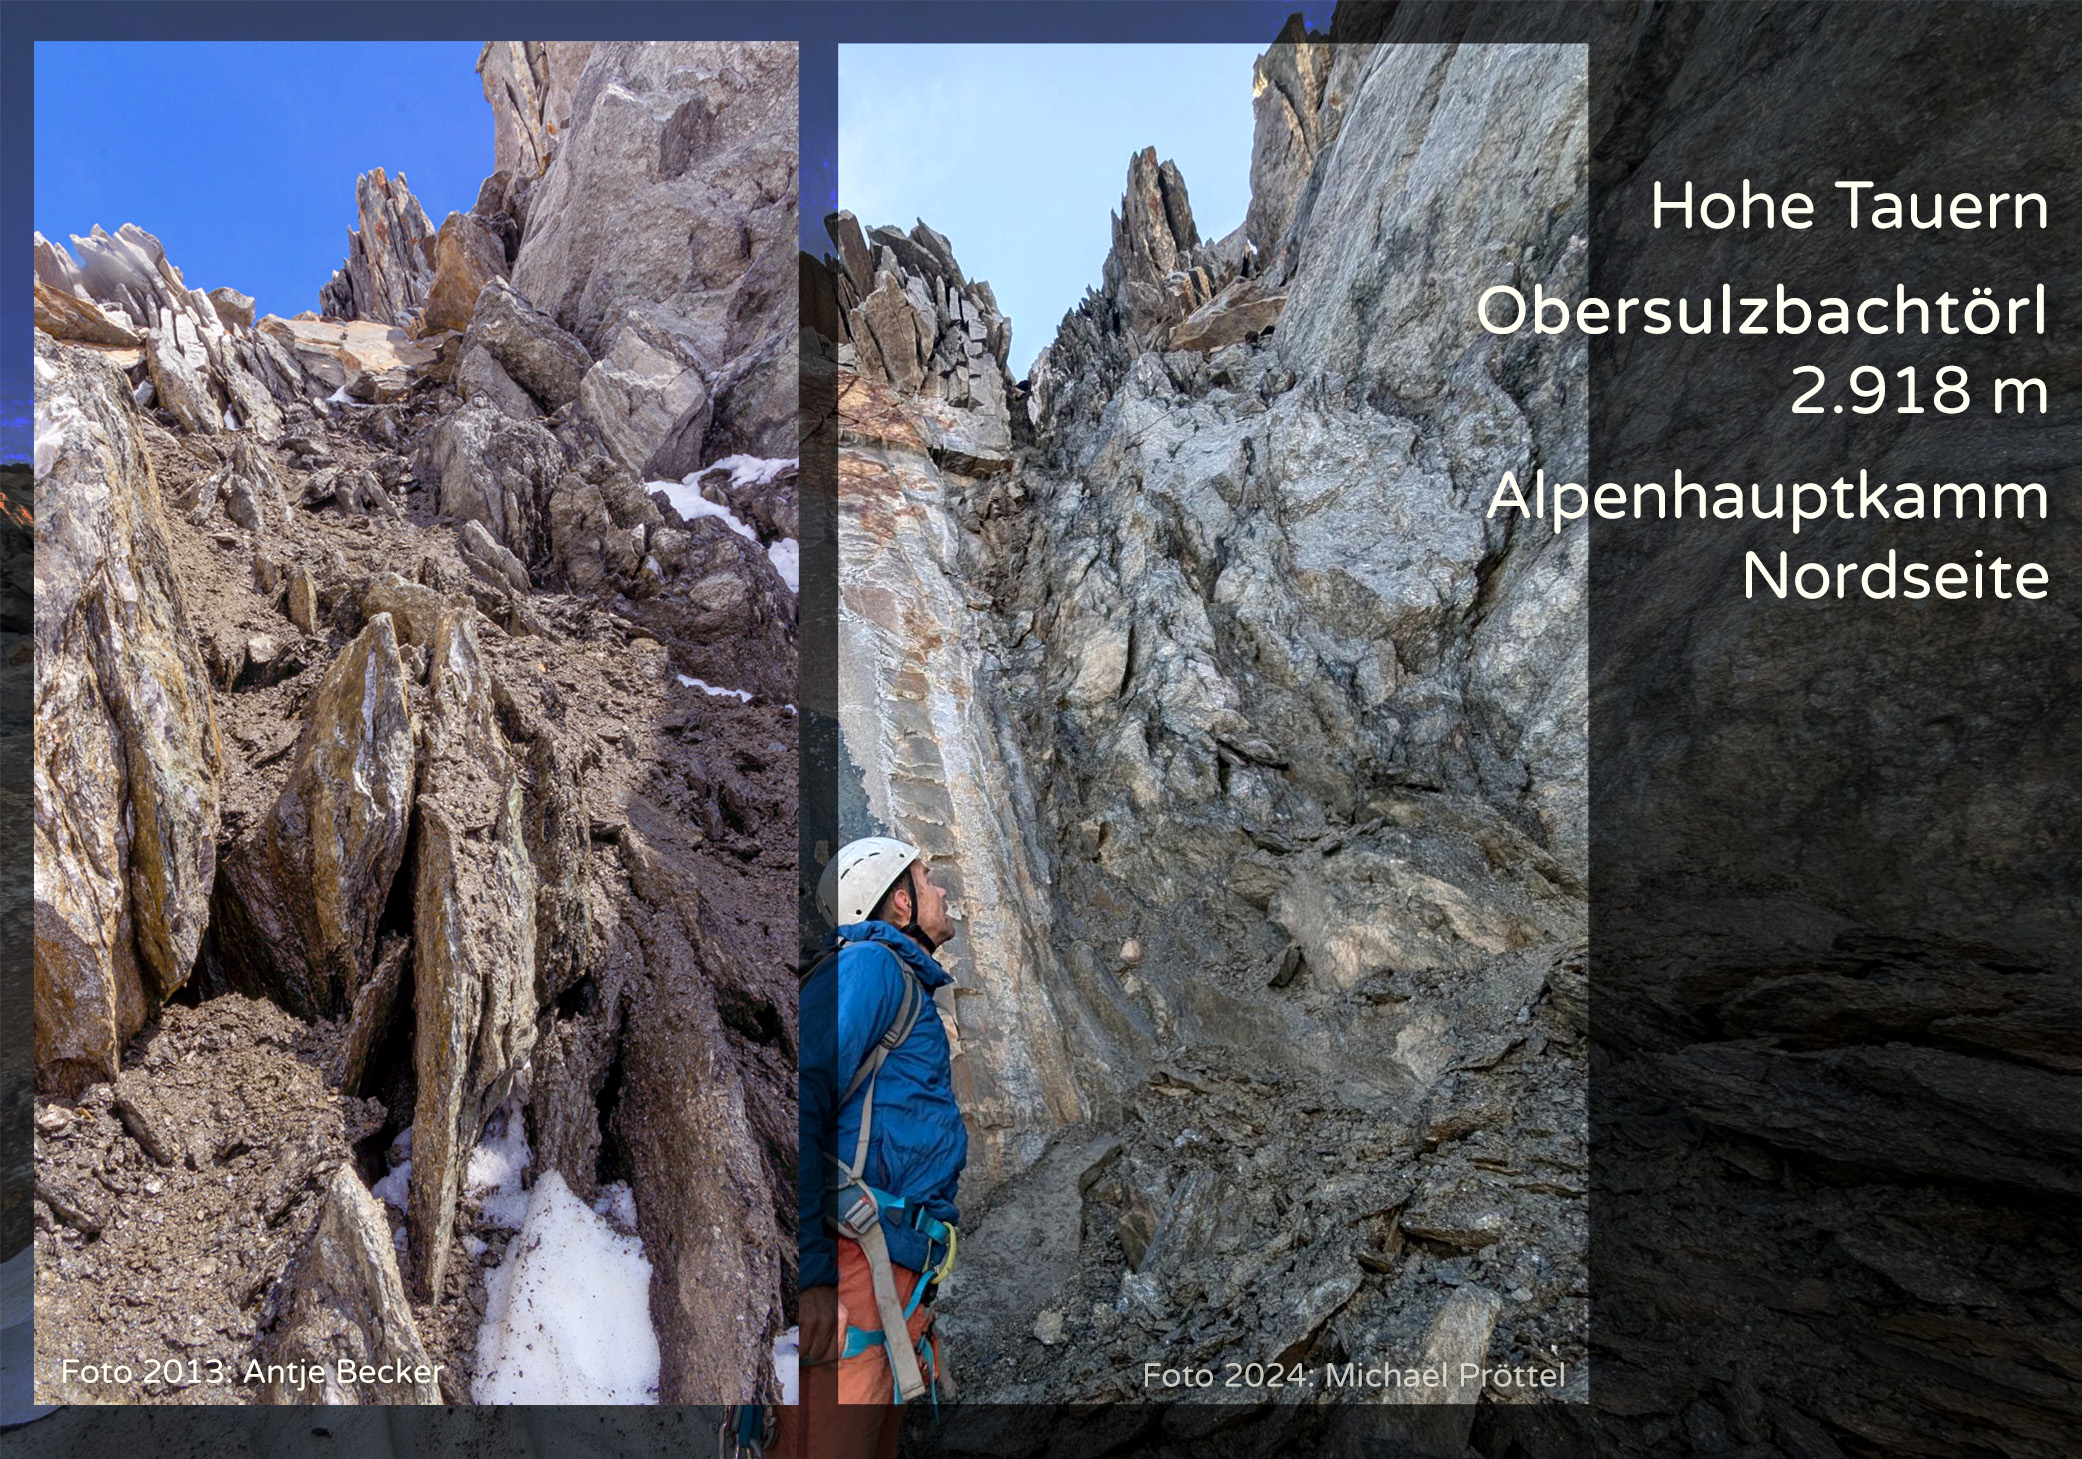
{"x": 882, "y": 1150}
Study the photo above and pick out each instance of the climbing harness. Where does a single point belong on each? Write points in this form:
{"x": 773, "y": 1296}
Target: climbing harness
{"x": 919, "y": 1361}
{"x": 860, "y": 1221}
{"x": 746, "y": 1430}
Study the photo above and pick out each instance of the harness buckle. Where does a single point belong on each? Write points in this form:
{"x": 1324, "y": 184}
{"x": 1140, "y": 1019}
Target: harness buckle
{"x": 861, "y": 1216}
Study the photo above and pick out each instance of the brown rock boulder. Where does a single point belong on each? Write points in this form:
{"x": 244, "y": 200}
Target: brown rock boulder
{"x": 333, "y": 352}
{"x": 303, "y": 891}
{"x": 62, "y": 316}
{"x": 127, "y": 772}
{"x": 345, "y": 1302}
{"x": 467, "y": 256}
{"x": 1239, "y": 312}
{"x": 473, "y": 937}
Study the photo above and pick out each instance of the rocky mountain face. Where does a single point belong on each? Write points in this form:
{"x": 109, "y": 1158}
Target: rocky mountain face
{"x": 1838, "y": 1006}
{"x": 1254, "y": 756}
{"x": 415, "y": 770}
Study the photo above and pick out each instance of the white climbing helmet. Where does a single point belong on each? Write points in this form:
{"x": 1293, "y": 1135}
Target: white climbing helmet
{"x": 856, "y": 878}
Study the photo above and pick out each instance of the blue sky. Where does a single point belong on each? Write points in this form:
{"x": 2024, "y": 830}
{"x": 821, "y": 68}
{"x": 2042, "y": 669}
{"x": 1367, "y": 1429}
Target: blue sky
{"x": 1019, "y": 154}
{"x": 241, "y": 158}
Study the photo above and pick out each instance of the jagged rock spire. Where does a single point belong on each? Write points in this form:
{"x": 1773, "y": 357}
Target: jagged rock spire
{"x": 390, "y": 258}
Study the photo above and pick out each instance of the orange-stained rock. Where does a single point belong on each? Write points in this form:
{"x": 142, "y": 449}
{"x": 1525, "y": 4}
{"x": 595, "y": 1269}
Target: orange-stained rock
{"x": 467, "y": 256}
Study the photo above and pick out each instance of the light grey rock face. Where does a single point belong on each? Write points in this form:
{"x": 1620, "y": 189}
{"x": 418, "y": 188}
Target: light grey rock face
{"x": 673, "y": 191}
{"x": 539, "y": 357}
{"x": 529, "y": 86}
{"x": 127, "y": 777}
{"x": 479, "y": 374}
{"x": 390, "y": 257}
{"x": 345, "y": 1303}
{"x": 180, "y": 374}
{"x": 488, "y": 467}
{"x": 1253, "y": 750}
{"x": 1361, "y": 308}
{"x": 1287, "y": 101}
{"x": 651, "y": 408}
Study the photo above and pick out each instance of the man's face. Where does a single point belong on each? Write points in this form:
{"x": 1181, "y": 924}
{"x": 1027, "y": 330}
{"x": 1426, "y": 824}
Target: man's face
{"x": 930, "y": 911}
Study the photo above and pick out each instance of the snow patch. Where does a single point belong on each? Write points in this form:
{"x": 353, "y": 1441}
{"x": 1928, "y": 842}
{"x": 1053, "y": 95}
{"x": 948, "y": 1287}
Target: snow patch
{"x": 687, "y": 500}
{"x": 787, "y": 1365}
{"x": 786, "y": 556}
{"x": 708, "y": 688}
{"x": 567, "y": 1315}
{"x": 497, "y": 1165}
{"x": 395, "y": 1187}
{"x": 618, "y": 1204}
{"x": 751, "y": 470}
{"x": 231, "y": 419}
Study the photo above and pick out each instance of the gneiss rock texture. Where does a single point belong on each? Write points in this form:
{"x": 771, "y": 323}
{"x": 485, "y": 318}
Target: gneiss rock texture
{"x": 128, "y": 766}
{"x": 529, "y": 86}
{"x": 380, "y": 807}
{"x": 307, "y": 884}
{"x": 681, "y": 136}
{"x": 1254, "y": 756}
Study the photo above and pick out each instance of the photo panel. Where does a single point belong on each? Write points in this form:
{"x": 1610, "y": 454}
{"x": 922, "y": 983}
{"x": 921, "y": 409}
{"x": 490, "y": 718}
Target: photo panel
{"x": 1249, "y": 752}
{"x": 415, "y": 674}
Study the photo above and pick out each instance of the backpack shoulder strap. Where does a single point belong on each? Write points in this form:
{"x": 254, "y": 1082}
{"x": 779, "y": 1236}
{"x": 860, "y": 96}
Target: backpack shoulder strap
{"x": 908, "y": 1012}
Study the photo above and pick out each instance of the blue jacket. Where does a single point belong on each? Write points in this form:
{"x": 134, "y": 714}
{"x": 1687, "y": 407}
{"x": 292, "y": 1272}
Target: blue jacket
{"x": 918, "y": 1145}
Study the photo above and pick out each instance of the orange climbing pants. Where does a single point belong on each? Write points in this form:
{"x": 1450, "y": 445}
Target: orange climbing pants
{"x": 848, "y": 1408}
